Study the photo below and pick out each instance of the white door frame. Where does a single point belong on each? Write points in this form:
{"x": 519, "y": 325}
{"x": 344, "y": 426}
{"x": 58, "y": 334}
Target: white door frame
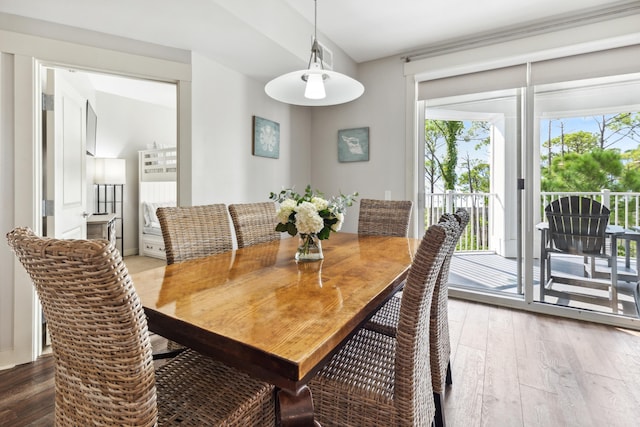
{"x": 30, "y": 53}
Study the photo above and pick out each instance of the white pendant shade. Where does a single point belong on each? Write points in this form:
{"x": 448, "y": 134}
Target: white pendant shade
{"x": 314, "y": 86}
{"x": 290, "y": 88}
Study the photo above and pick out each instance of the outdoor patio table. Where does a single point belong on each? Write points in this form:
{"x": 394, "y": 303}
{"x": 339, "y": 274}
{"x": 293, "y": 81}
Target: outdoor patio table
{"x": 257, "y": 310}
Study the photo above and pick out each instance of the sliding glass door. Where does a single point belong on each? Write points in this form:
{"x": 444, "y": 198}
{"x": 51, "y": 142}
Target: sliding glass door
{"x": 472, "y": 162}
{"x": 504, "y": 143}
{"x": 588, "y": 137}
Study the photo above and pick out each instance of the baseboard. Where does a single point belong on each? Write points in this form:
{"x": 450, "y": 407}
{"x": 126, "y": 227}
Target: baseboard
{"x": 129, "y": 252}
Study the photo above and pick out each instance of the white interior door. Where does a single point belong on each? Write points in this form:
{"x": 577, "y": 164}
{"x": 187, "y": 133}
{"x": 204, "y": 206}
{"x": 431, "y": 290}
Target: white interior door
{"x": 65, "y": 158}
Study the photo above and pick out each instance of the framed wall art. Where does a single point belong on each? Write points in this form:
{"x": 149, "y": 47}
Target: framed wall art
{"x": 266, "y": 138}
{"x": 353, "y": 145}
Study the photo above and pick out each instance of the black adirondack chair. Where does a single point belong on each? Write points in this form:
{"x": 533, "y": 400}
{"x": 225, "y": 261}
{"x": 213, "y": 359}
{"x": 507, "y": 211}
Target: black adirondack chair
{"x": 577, "y": 225}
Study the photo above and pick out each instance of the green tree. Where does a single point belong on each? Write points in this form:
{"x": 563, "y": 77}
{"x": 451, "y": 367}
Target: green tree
{"x": 432, "y": 166}
{"x": 479, "y": 131}
{"x": 579, "y": 142}
{"x": 451, "y": 130}
{"x": 631, "y": 175}
{"x": 446, "y": 135}
{"x": 615, "y": 127}
{"x": 591, "y": 171}
{"x": 475, "y": 176}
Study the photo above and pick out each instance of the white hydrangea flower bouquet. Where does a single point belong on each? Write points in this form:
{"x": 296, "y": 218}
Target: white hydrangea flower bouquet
{"x": 310, "y": 215}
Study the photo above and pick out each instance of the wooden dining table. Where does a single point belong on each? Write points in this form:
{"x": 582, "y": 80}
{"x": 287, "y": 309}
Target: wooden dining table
{"x": 259, "y": 311}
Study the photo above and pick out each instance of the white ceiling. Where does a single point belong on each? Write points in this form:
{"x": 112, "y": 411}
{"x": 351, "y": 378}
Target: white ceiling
{"x": 374, "y": 29}
{"x": 163, "y": 94}
{"x": 265, "y": 38}
{"x": 364, "y": 29}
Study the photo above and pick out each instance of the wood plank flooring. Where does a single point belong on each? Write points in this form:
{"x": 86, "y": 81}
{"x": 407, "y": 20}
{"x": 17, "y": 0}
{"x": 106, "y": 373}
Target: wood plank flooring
{"x": 513, "y": 368}
{"x": 27, "y": 394}
{"x": 510, "y": 368}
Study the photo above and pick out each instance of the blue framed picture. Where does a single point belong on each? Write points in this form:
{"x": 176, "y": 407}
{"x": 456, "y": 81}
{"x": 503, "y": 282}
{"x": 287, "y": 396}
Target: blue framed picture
{"x": 353, "y": 145}
{"x": 266, "y": 138}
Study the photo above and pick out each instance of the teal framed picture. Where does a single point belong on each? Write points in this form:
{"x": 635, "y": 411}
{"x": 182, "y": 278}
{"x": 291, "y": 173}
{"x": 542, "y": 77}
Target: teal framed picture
{"x": 353, "y": 145}
{"x": 266, "y": 138}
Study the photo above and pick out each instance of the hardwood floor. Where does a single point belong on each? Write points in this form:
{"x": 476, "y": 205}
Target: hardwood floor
{"x": 137, "y": 263}
{"x": 27, "y": 394}
{"x": 513, "y": 368}
{"x": 510, "y": 368}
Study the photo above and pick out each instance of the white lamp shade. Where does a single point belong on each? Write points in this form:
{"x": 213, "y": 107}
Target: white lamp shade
{"x": 110, "y": 171}
{"x": 290, "y": 88}
{"x": 315, "y": 86}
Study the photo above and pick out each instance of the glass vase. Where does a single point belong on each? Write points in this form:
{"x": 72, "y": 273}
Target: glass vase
{"x": 309, "y": 248}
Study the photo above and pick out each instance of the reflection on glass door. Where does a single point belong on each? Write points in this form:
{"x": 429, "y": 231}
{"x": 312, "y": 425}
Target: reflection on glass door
{"x": 588, "y": 135}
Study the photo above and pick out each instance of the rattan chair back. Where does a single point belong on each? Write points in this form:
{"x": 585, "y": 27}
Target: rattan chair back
{"x": 384, "y": 217}
{"x": 104, "y": 368}
{"x": 254, "y": 223}
{"x": 440, "y": 341}
{"x": 376, "y": 379}
{"x": 194, "y": 231}
{"x": 104, "y": 372}
{"x": 386, "y": 320}
{"x": 413, "y": 386}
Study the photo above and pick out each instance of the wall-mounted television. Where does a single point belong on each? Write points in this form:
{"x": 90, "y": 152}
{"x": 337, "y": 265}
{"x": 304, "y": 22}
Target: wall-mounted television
{"x": 92, "y": 121}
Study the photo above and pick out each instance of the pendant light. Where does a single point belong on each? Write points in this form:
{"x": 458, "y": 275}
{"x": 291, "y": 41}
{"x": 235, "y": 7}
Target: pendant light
{"x": 314, "y": 86}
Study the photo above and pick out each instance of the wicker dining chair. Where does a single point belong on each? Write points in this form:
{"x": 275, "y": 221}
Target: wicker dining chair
{"x": 384, "y": 217}
{"x": 104, "y": 372}
{"x": 386, "y": 320}
{"x": 254, "y": 223}
{"x": 194, "y": 231}
{"x": 378, "y": 380}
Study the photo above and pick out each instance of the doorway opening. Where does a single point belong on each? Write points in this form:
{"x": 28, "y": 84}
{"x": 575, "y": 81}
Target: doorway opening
{"x": 97, "y": 186}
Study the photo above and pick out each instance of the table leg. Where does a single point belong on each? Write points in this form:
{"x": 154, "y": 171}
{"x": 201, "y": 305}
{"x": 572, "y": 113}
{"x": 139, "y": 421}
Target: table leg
{"x": 543, "y": 259}
{"x": 614, "y": 274}
{"x": 627, "y": 253}
{"x": 637, "y": 259}
{"x": 296, "y": 409}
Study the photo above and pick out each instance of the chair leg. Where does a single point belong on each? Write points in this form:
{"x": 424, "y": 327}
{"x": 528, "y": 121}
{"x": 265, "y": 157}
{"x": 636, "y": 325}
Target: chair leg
{"x": 637, "y": 297}
{"x": 448, "y": 380}
{"x": 168, "y": 354}
{"x": 439, "y": 417}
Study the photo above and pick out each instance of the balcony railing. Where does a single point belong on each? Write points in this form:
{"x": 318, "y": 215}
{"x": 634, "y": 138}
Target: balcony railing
{"x": 625, "y": 208}
{"x": 476, "y": 236}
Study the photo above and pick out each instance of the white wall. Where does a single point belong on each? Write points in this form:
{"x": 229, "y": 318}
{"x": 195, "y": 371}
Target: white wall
{"x": 6, "y": 201}
{"x": 223, "y": 168}
{"x": 382, "y": 109}
{"x": 126, "y": 126}
{"x": 389, "y": 112}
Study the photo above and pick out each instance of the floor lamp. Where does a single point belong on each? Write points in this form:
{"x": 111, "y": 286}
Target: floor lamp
{"x": 109, "y": 178}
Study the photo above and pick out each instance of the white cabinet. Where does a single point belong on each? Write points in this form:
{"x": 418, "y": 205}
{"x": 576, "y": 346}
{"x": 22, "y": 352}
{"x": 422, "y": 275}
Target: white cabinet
{"x": 153, "y": 246}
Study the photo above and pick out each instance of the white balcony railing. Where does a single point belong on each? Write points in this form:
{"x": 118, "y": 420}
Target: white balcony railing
{"x": 476, "y": 236}
{"x": 625, "y": 209}
{"x": 624, "y": 206}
